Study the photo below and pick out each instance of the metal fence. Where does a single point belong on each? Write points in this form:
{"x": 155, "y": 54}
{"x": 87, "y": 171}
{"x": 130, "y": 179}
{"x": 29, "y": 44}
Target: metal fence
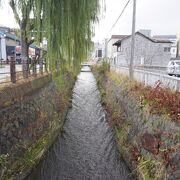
{"x": 12, "y": 72}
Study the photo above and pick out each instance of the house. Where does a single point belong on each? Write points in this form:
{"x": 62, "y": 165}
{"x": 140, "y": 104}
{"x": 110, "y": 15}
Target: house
{"x": 110, "y": 48}
{"x": 104, "y": 47}
{"x": 33, "y": 51}
{"x": 148, "y": 51}
{"x": 5, "y": 29}
{"x": 8, "y": 42}
{"x": 173, "y": 39}
{"x": 97, "y": 52}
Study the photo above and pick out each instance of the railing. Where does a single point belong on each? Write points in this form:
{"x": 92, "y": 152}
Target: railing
{"x": 11, "y": 73}
{"x": 150, "y": 77}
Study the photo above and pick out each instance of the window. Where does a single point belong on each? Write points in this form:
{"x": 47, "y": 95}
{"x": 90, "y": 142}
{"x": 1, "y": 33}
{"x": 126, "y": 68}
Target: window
{"x": 99, "y": 53}
{"x": 167, "y": 49}
{"x": 177, "y": 62}
{"x": 119, "y": 48}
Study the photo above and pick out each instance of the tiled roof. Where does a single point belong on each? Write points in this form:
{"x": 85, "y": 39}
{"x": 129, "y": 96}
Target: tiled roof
{"x": 10, "y": 36}
{"x": 34, "y": 46}
{"x": 164, "y": 37}
{"x": 118, "y": 36}
{"x": 161, "y": 40}
{"x": 150, "y": 39}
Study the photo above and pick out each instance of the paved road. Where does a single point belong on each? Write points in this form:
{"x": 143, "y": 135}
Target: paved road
{"x": 5, "y": 72}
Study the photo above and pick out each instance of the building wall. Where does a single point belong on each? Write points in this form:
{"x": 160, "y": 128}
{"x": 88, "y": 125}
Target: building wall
{"x": 3, "y": 49}
{"x": 146, "y": 52}
{"x": 4, "y": 42}
{"x": 104, "y": 48}
{"x": 10, "y": 42}
{"x": 173, "y": 51}
{"x": 96, "y": 49}
{"x": 110, "y": 48}
{"x": 173, "y": 48}
{"x": 173, "y": 39}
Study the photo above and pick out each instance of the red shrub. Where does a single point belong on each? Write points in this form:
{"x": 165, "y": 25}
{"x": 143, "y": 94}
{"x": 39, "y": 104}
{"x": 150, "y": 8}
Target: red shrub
{"x": 161, "y": 100}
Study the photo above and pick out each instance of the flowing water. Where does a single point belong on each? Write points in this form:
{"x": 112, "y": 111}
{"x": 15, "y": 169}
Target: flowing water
{"x": 87, "y": 149}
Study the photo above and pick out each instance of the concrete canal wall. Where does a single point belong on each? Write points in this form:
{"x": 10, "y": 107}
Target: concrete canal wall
{"x": 148, "y": 142}
{"x": 26, "y": 111}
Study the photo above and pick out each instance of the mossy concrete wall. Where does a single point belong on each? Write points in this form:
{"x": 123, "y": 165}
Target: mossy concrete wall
{"x": 26, "y": 111}
{"x": 149, "y": 143}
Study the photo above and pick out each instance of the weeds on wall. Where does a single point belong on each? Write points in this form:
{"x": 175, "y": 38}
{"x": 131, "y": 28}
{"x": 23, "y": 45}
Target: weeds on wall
{"x": 154, "y": 100}
{"x": 160, "y": 100}
{"x": 103, "y": 68}
{"x": 10, "y": 166}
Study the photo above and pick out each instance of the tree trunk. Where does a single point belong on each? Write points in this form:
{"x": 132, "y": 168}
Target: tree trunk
{"x": 24, "y": 53}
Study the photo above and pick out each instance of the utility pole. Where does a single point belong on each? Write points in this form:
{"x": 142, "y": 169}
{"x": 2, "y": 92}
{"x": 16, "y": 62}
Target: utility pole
{"x": 132, "y": 42}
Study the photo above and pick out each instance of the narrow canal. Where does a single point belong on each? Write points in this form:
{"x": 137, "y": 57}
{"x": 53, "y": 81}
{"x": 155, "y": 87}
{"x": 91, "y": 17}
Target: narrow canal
{"x": 87, "y": 149}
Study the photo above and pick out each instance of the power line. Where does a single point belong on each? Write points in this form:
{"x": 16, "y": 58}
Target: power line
{"x": 119, "y": 16}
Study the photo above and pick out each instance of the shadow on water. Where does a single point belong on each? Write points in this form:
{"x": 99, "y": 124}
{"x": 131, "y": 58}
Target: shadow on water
{"x": 87, "y": 149}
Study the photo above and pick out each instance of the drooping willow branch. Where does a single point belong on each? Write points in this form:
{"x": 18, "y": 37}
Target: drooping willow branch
{"x": 68, "y": 27}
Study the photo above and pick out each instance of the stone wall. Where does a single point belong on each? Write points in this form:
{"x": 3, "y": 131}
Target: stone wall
{"x": 26, "y": 111}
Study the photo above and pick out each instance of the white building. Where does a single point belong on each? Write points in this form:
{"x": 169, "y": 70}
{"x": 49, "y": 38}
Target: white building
{"x": 97, "y": 52}
{"x": 2, "y": 47}
{"x": 104, "y": 48}
{"x": 110, "y": 48}
{"x": 8, "y": 42}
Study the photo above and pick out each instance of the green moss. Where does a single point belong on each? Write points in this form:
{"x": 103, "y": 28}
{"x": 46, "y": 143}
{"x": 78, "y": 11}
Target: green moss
{"x": 35, "y": 152}
{"x": 122, "y": 137}
{"x": 7, "y": 103}
{"x": 149, "y": 169}
{"x": 3, "y": 160}
{"x": 14, "y": 167}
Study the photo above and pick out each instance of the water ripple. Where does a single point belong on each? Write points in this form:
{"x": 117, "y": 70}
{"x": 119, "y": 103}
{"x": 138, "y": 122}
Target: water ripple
{"x": 87, "y": 149}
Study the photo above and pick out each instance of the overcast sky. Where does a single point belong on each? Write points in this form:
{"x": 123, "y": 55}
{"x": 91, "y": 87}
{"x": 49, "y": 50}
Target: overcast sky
{"x": 161, "y": 16}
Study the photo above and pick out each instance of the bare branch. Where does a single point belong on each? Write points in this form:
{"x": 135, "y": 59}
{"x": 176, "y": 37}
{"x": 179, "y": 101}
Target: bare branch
{"x": 30, "y": 42}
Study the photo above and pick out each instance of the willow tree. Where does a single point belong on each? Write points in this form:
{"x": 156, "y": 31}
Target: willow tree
{"x": 68, "y": 28}
{"x": 22, "y": 10}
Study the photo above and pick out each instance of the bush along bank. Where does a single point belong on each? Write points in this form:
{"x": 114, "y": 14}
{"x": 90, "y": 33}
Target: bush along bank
{"x": 146, "y": 122}
{"x": 30, "y": 124}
